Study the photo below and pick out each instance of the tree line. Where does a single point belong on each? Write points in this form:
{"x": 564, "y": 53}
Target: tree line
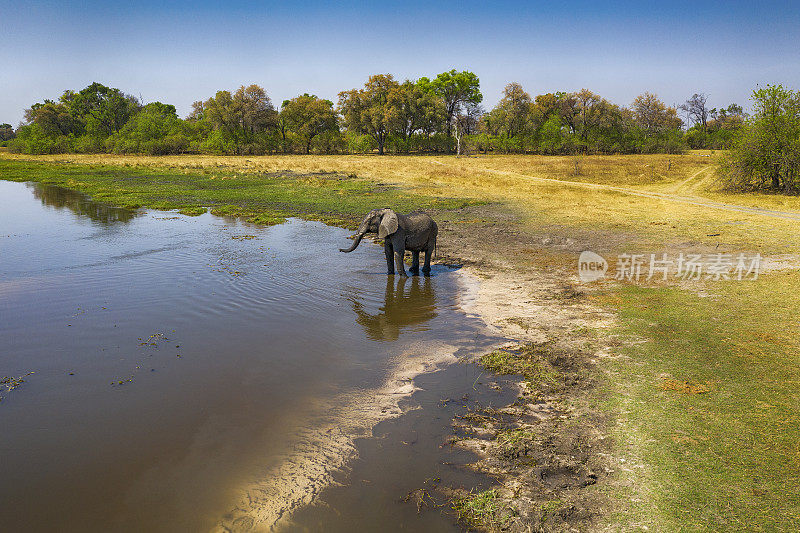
{"x": 439, "y": 114}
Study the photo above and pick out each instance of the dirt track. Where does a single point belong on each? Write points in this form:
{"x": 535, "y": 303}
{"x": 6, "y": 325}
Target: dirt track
{"x": 690, "y": 200}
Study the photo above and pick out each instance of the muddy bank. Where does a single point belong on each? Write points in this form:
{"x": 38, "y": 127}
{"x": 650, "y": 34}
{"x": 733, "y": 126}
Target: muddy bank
{"x": 549, "y": 449}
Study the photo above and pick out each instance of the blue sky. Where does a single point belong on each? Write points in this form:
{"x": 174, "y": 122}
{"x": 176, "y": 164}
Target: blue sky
{"x": 179, "y": 52}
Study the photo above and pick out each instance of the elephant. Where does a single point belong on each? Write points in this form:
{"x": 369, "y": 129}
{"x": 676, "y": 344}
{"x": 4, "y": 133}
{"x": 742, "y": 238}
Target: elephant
{"x": 415, "y": 232}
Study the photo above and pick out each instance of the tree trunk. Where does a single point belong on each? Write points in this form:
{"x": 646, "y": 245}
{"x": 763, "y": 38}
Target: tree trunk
{"x": 776, "y": 178}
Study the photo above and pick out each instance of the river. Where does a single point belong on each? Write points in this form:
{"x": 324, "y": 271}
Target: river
{"x": 203, "y": 374}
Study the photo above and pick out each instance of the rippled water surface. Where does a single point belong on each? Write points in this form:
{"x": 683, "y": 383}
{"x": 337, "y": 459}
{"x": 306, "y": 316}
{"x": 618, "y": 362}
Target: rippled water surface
{"x": 192, "y": 374}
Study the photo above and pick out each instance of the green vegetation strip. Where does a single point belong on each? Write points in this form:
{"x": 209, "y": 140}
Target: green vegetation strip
{"x": 483, "y": 510}
{"x": 709, "y": 402}
{"x": 530, "y": 361}
{"x": 262, "y": 198}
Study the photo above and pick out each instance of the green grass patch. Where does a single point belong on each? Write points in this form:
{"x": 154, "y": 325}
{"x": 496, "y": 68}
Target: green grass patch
{"x": 709, "y": 405}
{"x": 192, "y": 211}
{"x": 531, "y": 361}
{"x": 259, "y": 197}
{"x": 481, "y": 510}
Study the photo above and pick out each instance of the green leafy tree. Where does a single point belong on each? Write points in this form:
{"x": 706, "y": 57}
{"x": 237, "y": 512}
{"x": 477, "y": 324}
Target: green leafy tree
{"x": 766, "y": 154}
{"x": 553, "y": 135}
{"x": 510, "y": 120}
{"x": 32, "y": 139}
{"x": 415, "y": 109}
{"x": 370, "y": 111}
{"x": 283, "y": 126}
{"x": 307, "y": 117}
{"x": 104, "y": 110}
{"x": 6, "y": 132}
{"x": 155, "y": 130}
{"x": 598, "y": 122}
{"x": 54, "y": 118}
{"x": 458, "y": 91}
{"x": 240, "y": 120}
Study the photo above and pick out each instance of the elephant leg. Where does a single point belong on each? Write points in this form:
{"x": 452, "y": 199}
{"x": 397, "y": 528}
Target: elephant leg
{"x": 399, "y": 253}
{"x": 427, "y": 267}
{"x": 389, "y": 252}
{"x": 414, "y": 263}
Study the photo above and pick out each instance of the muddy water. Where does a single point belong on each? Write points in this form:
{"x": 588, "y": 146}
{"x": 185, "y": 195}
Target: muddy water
{"x": 196, "y": 374}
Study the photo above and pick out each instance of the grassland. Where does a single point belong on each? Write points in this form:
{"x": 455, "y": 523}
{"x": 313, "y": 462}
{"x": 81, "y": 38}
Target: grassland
{"x": 709, "y": 405}
{"x": 704, "y": 388}
{"x": 545, "y": 190}
{"x": 259, "y": 197}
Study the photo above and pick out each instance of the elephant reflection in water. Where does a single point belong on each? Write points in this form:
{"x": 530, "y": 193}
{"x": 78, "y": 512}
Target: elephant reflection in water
{"x": 411, "y": 302}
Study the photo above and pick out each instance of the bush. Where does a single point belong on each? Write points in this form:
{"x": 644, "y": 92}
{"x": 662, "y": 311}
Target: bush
{"x": 359, "y": 144}
{"x": 33, "y": 140}
{"x": 87, "y": 144}
{"x": 766, "y": 152}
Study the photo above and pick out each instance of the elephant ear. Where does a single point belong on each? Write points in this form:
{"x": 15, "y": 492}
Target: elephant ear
{"x": 388, "y": 224}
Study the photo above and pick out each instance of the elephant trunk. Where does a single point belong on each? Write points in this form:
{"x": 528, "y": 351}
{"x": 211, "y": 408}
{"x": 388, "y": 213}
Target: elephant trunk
{"x": 355, "y": 244}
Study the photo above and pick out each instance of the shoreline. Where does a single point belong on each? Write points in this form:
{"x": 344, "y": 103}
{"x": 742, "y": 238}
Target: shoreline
{"x": 511, "y": 303}
{"x": 549, "y": 450}
{"x": 319, "y": 451}
{"x": 501, "y": 300}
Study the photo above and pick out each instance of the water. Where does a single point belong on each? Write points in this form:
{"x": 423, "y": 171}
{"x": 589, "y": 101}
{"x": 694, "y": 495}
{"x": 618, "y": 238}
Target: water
{"x": 197, "y": 374}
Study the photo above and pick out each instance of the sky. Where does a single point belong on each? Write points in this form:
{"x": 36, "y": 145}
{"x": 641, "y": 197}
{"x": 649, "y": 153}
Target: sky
{"x": 180, "y": 52}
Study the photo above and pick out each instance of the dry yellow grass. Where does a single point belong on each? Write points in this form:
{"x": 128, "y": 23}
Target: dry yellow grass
{"x": 602, "y": 196}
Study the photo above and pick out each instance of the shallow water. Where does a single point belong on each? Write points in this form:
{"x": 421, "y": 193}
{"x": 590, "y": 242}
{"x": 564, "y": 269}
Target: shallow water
{"x": 192, "y": 374}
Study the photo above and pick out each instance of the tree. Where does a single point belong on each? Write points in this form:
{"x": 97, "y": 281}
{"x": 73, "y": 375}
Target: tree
{"x": 696, "y": 110}
{"x": 729, "y": 117}
{"x": 369, "y": 110}
{"x": 6, "y": 132}
{"x": 308, "y": 116}
{"x": 414, "y": 110}
{"x": 198, "y": 111}
{"x": 512, "y": 113}
{"x": 594, "y": 119}
{"x": 239, "y": 118}
{"x": 255, "y": 110}
{"x": 104, "y": 110}
{"x": 458, "y": 91}
{"x": 155, "y": 130}
{"x": 283, "y": 126}
{"x": 54, "y": 118}
{"x": 587, "y": 103}
{"x": 653, "y": 116}
{"x": 766, "y": 154}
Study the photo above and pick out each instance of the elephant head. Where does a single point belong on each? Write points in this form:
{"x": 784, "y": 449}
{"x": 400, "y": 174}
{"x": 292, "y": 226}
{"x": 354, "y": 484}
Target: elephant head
{"x": 380, "y": 221}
